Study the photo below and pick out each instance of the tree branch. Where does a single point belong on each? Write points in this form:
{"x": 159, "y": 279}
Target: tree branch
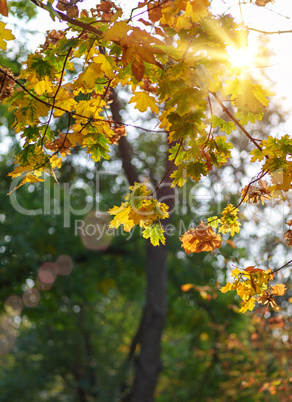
{"x": 269, "y": 32}
{"x": 236, "y": 121}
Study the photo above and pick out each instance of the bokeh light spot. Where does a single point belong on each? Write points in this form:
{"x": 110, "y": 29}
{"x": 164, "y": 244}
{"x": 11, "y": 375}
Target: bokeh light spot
{"x": 64, "y": 265}
{"x": 95, "y": 232}
{"x": 13, "y": 305}
{"x": 31, "y": 297}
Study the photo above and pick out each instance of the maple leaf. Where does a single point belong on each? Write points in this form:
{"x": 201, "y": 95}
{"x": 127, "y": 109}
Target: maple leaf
{"x": 138, "y": 68}
{"x": 248, "y": 305}
{"x": 254, "y": 194}
{"x": 121, "y": 217}
{"x": 279, "y": 289}
{"x": 203, "y": 238}
{"x": 229, "y": 220}
{"x": 288, "y": 237}
{"x": 117, "y": 32}
{"x": 155, "y": 233}
{"x": 61, "y": 144}
{"x": 154, "y": 11}
{"x": 5, "y": 35}
{"x": 227, "y": 287}
{"x": 143, "y": 101}
{"x": 267, "y": 298}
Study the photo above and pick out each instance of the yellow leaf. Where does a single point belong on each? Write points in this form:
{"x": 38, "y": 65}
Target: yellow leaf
{"x": 55, "y": 162}
{"x": 5, "y": 35}
{"x": 233, "y": 88}
{"x": 121, "y": 218}
{"x": 87, "y": 79}
{"x": 196, "y": 9}
{"x": 117, "y": 32}
{"x": 43, "y": 86}
{"x": 83, "y": 108}
{"x": 249, "y": 305}
{"x": 143, "y": 101}
{"x": 261, "y": 94}
{"x": 75, "y": 138}
{"x": 227, "y": 287}
{"x": 105, "y": 65}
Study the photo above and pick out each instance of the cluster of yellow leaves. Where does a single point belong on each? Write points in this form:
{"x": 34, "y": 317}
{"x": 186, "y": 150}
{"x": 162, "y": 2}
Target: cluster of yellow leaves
{"x": 176, "y": 77}
{"x": 203, "y": 238}
{"x": 228, "y": 223}
{"x": 276, "y": 155}
{"x": 253, "y": 284}
{"x": 140, "y": 208}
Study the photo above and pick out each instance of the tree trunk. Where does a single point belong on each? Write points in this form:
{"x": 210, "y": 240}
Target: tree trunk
{"x": 148, "y": 364}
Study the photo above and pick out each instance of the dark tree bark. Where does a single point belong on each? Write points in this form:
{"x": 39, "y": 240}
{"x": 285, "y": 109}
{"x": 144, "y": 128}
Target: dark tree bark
{"x": 148, "y": 364}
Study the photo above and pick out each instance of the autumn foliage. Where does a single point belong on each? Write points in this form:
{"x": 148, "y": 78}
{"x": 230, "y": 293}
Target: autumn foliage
{"x": 173, "y": 57}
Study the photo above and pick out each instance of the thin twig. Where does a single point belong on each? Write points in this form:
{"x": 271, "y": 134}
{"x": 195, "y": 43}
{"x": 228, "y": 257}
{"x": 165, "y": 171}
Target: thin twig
{"x": 269, "y": 32}
{"x": 236, "y": 121}
{"x": 55, "y": 96}
{"x": 244, "y": 196}
{"x": 168, "y": 170}
{"x": 283, "y": 266}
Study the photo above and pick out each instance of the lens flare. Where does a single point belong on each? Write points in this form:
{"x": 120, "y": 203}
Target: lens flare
{"x": 244, "y": 57}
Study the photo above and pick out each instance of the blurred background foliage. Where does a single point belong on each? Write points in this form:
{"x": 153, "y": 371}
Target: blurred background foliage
{"x": 71, "y": 304}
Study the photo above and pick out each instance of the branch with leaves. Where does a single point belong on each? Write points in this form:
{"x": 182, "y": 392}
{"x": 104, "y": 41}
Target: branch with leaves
{"x": 168, "y": 62}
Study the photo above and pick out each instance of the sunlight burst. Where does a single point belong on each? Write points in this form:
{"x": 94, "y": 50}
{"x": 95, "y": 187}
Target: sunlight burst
{"x": 244, "y": 57}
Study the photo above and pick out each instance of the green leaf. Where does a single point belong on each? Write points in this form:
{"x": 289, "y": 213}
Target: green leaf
{"x": 42, "y": 67}
{"x": 196, "y": 169}
{"x": 155, "y": 234}
{"x": 213, "y": 222}
{"x": 222, "y": 124}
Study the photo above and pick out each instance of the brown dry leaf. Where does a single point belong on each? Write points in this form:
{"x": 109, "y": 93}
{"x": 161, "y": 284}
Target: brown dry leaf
{"x": 154, "y": 11}
{"x": 119, "y": 132}
{"x": 254, "y": 194}
{"x": 3, "y": 8}
{"x": 138, "y": 68}
{"x": 7, "y": 84}
{"x": 279, "y": 289}
{"x": 289, "y": 223}
{"x": 263, "y": 3}
{"x": 288, "y": 237}
{"x": 62, "y": 5}
{"x": 203, "y": 238}
{"x": 61, "y": 144}
{"x": 268, "y": 299}
{"x": 73, "y": 12}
